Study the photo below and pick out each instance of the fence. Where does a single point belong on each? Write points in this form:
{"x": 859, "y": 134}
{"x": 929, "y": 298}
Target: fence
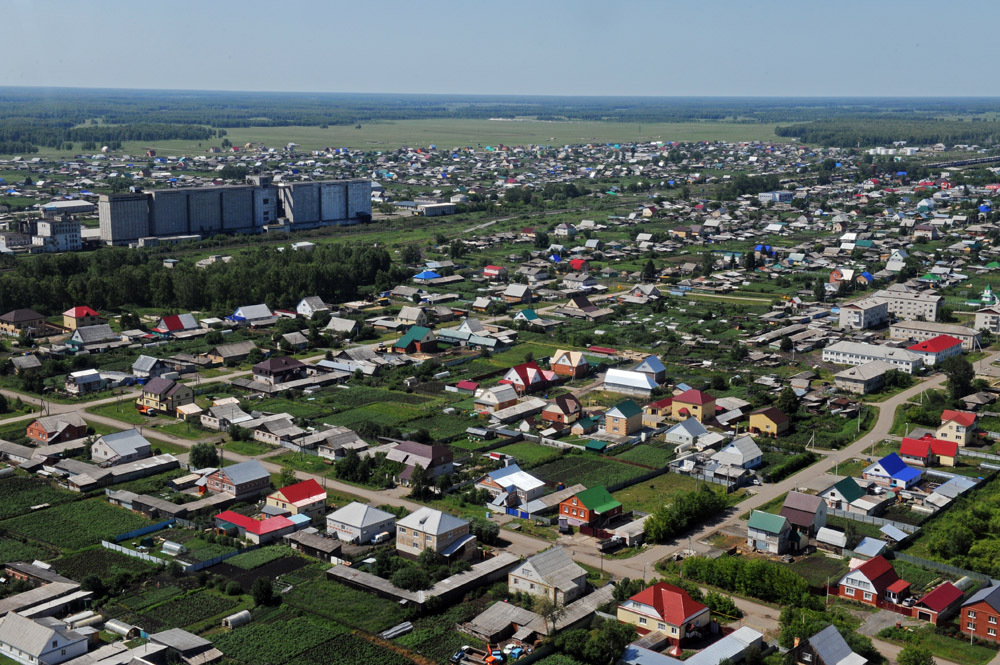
{"x": 144, "y": 530}
{"x": 942, "y": 567}
{"x": 871, "y": 519}
{"x": 725, "y": 482}
{"x": 980, "y": 455}
{"x": 132, "y": 553}
{"x": 638, "y": 479}
{"x": 194, "y": 567}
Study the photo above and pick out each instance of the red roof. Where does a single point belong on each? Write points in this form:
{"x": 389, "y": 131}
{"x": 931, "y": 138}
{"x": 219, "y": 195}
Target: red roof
{"x": 602, "y": 349}
{"x": 258, "y": 527}
{"x": 941, "y": 598}
{"x": 936, "y": 344}
{"x": 963, "y": 418}
{"x": 927, "y": 444}
{"x": 577, "y": 264}
{"x": 899, "y": 586}
{"x": 171, "y": 323}
{"x": 661, "y": 404}
{"x": 493, "y": 268}
{"x": 307, "y": 489}
{"x": 466, "y": 385}
{"x": 672, "y": 603}
{"x": 879, "y": 572}
{"x": 694, "y": 397}
{"x": 80, "y": 312}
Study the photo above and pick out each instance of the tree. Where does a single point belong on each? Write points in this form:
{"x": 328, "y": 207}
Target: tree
{"x": 914, "y": 654}
{"x": 262, "y": 591}
{"x": 649, "y": 271}
{"x": 786, "y": 344}
{"x": 819, "y": 290}
{"x": 550, "y": 610}
{"x": 541, "y": 240}
{"x": 287, "y": 477}
{"x": 788, "y": 401}
{"x": 203, "y": 455}
{"x": 750, "y": 261}
{"x": 411, "y": 578}
{"x": 960, "y": 374}
{"x": 707, "y": 263}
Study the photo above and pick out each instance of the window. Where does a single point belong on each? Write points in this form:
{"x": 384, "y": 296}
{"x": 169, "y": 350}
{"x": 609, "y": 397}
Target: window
{"x": 849, "y": 591}
{"x": 972, "y": 614}
{"x": 970, "y": 626}
{"x": 992, "y": 620}
{"x": 992, "y": 632}
{"x": 868, "y": 596}
{"x": 661, "y": 626}
{"x": 642, "y": 621}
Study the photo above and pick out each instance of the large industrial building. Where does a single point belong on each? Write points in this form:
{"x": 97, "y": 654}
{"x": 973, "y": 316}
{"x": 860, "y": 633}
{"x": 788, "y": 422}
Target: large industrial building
{"x": 206, "y": 211}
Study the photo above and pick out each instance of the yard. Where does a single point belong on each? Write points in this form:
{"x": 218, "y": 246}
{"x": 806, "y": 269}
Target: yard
{"x": 954, "y": 649}
{"x": 72, "y": 526}
{"x": 588, "y": 469}
{"x": 649, "y": 495}
{"x": 819, "y": 569}
{"x": 19, "y": 493}
{"x": 527, "y": 453}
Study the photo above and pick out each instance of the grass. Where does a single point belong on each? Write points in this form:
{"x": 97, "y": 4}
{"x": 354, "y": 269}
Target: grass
{"x": 526, "y": 452}
{"x": 588, "y": 469}
{"x": 948, "y": 648}
{"x": 817, "y": 568}
{"x": 75, "y": 525}
{"x": 248, "y": 448}
{"x": 649, "y": 495}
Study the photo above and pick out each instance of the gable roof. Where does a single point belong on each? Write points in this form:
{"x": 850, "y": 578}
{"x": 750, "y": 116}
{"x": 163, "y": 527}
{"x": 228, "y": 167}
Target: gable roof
{"x": 414, "y": 335}
{"x": 557, "y": 569}
{"x": 989, "y": 595}
{"x": 360, "y": 515}
{"x": 693, "y": 396}
{"x": 672, "y": 603}
{"x": 175, "y": 322}
{"x": 832, "y": 648}
{"x": 252, "y": 525}
{"x": 245, "y": 472}
{"x": 651, "y": 363}
{"x": 923, "y": 446}
{"x": 428, "y": 520}
{"x": 879, "y": 572}
{"x": 941, "y": 597}
{"x": 80, "y": 312}
{"x": 127, "y": 442}
{"x": 849, "y": 489}
{"x": 303, "y": 491}
{"x": 767, "y": 522}
{"x": 30, "y": 636}
{"x": 963, "y": 418}
{"x": 598, "y": 499}
{"x": 772, "y": 414}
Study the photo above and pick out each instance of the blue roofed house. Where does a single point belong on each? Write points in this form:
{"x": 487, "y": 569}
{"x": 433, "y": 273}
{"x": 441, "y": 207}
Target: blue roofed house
{"x": 652, "y": 367}
{"x": 892, "y": 471}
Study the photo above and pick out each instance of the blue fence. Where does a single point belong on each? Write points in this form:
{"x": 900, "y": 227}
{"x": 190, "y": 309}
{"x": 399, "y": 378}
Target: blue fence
{"x": 144, "y": 530}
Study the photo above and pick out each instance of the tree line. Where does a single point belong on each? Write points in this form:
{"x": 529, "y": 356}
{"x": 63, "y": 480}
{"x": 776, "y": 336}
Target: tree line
{"x": 884, "y": 130}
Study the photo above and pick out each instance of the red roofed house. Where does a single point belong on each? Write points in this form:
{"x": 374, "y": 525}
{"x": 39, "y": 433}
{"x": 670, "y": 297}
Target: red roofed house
{"x": 78, "y": 317}
{"x": 937, "y": 349}
{"x": 665, "y": 608}
{"x": 578, "y": 265}
{"x": 528, "y": 377}
{"x": 957, "y": 426}
{"x": 175, "y": 323}
{"x": 254, "y": 530}
{"x": 693, "y": 404}
{"x": 305, "y": 498}
{"x": 939, "y": 603}
{"x": 654, "y": 412}
{"x": 874, "y": 582}
{"x": 928, "y": 451}
{"x": 494, "y": 272}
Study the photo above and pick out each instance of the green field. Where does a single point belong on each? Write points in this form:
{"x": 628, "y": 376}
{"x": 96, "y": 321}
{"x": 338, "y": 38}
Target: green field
{"x": 649, "y": 495}
{"x": 75, "y": 525}
{"x": 588, "y": 469}
{"x": 19, "y": 493}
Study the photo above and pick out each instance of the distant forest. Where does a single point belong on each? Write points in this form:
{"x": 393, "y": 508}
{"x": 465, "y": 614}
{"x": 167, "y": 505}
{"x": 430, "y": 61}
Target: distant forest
{"x": 882, "y": 130}
{"x": 31, "y": 117}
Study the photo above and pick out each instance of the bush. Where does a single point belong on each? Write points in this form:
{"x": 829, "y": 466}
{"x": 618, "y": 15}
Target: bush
{"x": 234, "y": 589}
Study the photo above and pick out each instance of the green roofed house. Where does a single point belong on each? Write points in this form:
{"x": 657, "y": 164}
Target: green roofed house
{"x": 768, "y": 533}
{"x": 596, "y": 446}
{"x": 417, "y": 339}
{"x": 623, "y": 418}
{"x": 594, "y": 506}
{"x": 842, "y": 494}
{"x": 585, "y": 425}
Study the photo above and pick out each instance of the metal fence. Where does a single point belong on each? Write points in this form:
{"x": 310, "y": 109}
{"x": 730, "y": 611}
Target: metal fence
{"x": 942, "y": 567}
{"x": 144, "y": 530}
{"x": 980, "y": 455}
{"x": 871, "y": 519}
{"x": 194, "y": 567}
{"x": 132, "y": 553}
{"x": 725, "y": 482}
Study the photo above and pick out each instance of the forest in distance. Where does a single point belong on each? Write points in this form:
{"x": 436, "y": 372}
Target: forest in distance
{"x": 31, "y": 118}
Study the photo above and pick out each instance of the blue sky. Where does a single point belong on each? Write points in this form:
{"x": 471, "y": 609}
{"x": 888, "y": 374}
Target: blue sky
{"x": 580, "y": 47}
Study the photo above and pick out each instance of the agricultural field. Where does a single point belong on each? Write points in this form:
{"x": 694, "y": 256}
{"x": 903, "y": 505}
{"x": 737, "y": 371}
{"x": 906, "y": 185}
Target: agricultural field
{"x": 72, "y": 526}
{"x": 527, "y": 453}
{"x": 350, "y": 649}
{"x": 257, "y": 558}
{"x": 273, "y": 642}
{"x": 650, "y": 494}
{"x": 588, "y": 469}
{"x": 191, "y": 609}
{"x": 435, "y": 636}
{"x": 344, "y": 605}
{"x": 15, "y": 550}
{"x": 100, "y": 561}
{"x": 19, "y": 493}
{"x": 656, "y": 454}
{"x": 817, "y": 568}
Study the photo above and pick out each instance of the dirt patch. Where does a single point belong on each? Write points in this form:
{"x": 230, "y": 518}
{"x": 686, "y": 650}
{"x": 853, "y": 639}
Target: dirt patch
{"x": 270, "y": 570}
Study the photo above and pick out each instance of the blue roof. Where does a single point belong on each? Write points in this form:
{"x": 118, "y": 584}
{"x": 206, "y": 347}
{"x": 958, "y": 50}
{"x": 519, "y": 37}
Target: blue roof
{"x": 870, "y": 547}
{"x": 867, "y": 275}
{"x": 892, "y": 463}
{"x": 427, "y": 274}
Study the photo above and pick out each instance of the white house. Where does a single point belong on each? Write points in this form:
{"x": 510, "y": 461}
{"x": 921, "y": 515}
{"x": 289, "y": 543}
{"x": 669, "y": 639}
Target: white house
{"x": 358, "y": 522}
{"x": 120, "y": 447}
{"x": 743, "y": 452}
{"x": 310, "y": 306}
{"x": 43, "y": 641}
{"x": 552, "y": 574}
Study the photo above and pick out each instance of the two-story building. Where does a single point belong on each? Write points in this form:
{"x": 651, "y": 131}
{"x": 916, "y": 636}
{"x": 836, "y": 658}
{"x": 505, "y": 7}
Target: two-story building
{"x": 551, "y": 574}
{"x": 120, "y": 447}
{"x": 667, "y": 609}
{"x": 769, "y": 533}
{"x": 957, "y": 426}
{"x": 511, "y": 486}
{"x": 243, "y": 480}
{"x": 569, "y": 363}
{"x": 980, "y": 615}
{"x": 594, "y": 506}
{"x": 45, "y": 641}
{"x": 429, "y": 529}
{"x": 162, "y": 395}
{"x": 623, "y": 419}
{"x": 57, "y": 429}
{"x": 564, "y": 409}
{"x": 874, "y": 582}
{"x": 305, "y": 498}
{"x": 275, "y": 371}
{"x": 359, "y": 523}
{"x": 769, "y": 421}
{"x": 693, "y": 404}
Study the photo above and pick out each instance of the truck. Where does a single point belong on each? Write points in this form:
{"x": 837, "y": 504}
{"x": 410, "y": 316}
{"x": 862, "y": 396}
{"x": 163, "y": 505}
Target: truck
{"x": 609, "y": 544}
{"x": 492, "y": 656}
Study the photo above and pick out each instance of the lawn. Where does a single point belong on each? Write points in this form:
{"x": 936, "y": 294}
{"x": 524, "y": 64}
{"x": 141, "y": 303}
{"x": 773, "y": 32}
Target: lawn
{"x": 248, "y": 448}
{"x": 649, "y": 495}
{"x": 948, "y": 648}
{"x": 526, "y": 452}
{"x": 72, "y": 526}
{"x": 654, "y": 454}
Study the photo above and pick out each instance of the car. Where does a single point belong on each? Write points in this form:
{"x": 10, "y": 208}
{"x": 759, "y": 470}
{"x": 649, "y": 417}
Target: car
{"x": 755, "y": 481}
{"x": 457, "y": 657}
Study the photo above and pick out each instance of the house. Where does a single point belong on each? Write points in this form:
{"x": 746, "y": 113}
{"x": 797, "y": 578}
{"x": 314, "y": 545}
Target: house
{"x": 436, "y": 460}
{"x": 769, "y": 533}
{"x": 412, "y": 316}
{"x": 57, "y": 429}
{"x": 827, "y": 647}
{"x": 80, "y": 317}
{"x": 25, "y": 363}
{"x": 417, "y": 339}
{"x": 928, "y": 451}
{"x": 939, "y": 603}
{"x": 252, "y": 315}
{"x": 336, "y": 441}
{"x": 148, "y": 367}
{"x": 874, "y": 582}
{"x": 18, "y": 321}
{"x": 937, "y": 349}
{"x": 685, "y": 433}
{"x": 742, "y": 452}
{"x": 957, "y": 426}
{"x": 175, "y": 323}
{"x": 510, "y": 486}
{"x": 652, "y": 367}
{"x": 569, "y": 363}
{"x": 551, "y": 574}
{"x": 667, "y": 609}
{"x": 162, "y": 395}
{"x": 838, "y": 275}
{"x": 623, "y": 419}
{"x": 305, "y": 498}
{"x": 95, "y": 335}
{"x": 628, "y": 382}
{"x": 275, "y": 371}
{"x": 654, "y": 413}
{"x": 864, "y": 379}
{"x": 120, "y": 447}
{"x": 496, "y": 398}
{"x": 693, "y": 404}
{"x": 41, "y": 641}
{"x": 864, "y": 314}
{"x": 517, "y": 294}
{"x": 594, "y": 506}
{"x": 230, "y": 354}
{"x": 257, "y": 531}
{"x": 429, "y": 529}
{"x": 892, "y": 471}
{"x": 310, "y": 306}
{"x": 340, "y": 326}
{"x": 842, "y": 494}
{"x": 495, "y": 273}
{"x": 769, "y": 421}
{"x": 528, "y": 377}
{"x": 981, "y": 613}
{"x": 359, "y": 523}
{"x": 295, "y": 340}
{"x": 243, "y": 480}
{"x": 315, "y": 545}
{"x": 84, "y": 382}
{"x": 565, "y": 409}
{"x": 580, "y": 307}
{"x": 805, "y": 512}
{"x": 219, "y": 417}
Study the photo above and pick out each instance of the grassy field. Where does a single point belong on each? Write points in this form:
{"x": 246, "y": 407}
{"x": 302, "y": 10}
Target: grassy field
{"x": 649, "y": 495}
{"x": 72, "y": 526}
{"x": 526, "y": 452}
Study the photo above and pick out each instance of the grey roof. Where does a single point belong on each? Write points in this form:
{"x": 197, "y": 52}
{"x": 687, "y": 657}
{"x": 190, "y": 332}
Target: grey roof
{"x": 800, "y": 501}
{"x": 359, "y": 515}
{"x": 989, "y": 595}
{"x": 499, "y": 616}
{"x": 128, "y": 442}
{"x": 252, "y": 312}
{"x": 428, "y": 520}
{"x": 557, "y": 569}
{"x": 29, "y": 361}
{"x": 29, "y": 636}
{"x": 893, "y": 532}
{"x": 650, "y": 364}
{"x": 144, "y": 363}
{"x": 315, "y": 303}
{"x": 831, "y": 648}
{"x": 691, "y": 427}
{"x": 94, "y": 334}
{"x": 181, "y": 640}
{"x": 831, "y": 537}
{"x": 61, "y": 422}
{"x": 742, "y": 449}
{"x": 235, "y": 349}
{"x": 340, "y": 325}
{"x": 245, "y": 472}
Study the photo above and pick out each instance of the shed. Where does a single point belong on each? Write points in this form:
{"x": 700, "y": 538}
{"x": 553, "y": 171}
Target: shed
{"x": 596, "y": 446}
{"x": 236, "y": 620}
{"x": 117, "y": 627}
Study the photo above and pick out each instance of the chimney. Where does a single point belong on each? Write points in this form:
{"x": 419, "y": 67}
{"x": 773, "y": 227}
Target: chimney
{"x": 796, "y": 642}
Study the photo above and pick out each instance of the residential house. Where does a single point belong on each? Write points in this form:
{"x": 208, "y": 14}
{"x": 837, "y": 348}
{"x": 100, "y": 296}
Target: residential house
{"x": 57, "y": 429}
{"x": 937, "y": 349}
{"x": 594, "y": 506}
{"x": 148, "y": 367}
{"x": 805, "y": 512}
{"x": 654, "y": 413}
{"x": 253, "y": 315}
{"x": 84, "y": 382}
{"x": 89, "y": 336}
{"x": 336, "y": 441}
{"x": 874, "y": 582}
{"x": 303, "y": 498}
{"x": 827, "y": 647}
{"x": 693, "y": 404}
{"x": 842, "y": 494}
{"x": 429, "y": 529}
{"x": 864, "y": 314}
{"x": 495, "y": 273}
{"x": 864, "y": 379}
{"x": 120, "y": 447}
{"x": 510, "y": 486}
{"x": 742, "y": 452}
{"x": 257, "y": 531}
{"x": 892, "y": 471}
{"x": 565, "y": 410}
{"x": 282, "y": 369}
{"x": 769, "y": 421}
{"x": 928, "y": 451}
{"x": 340, "y": 326}
{"x": 685, "y": 433}
{"x": 623, "y": 419}
{"x": 243, "y": 480}
{"x": 162, "y": 395}
{"x": 652, "y": 367}
{"x": 569, "y": 363}
{"x": 436, "y": 460}
{"x": 418, "y": 339}
{"x": 981, "y": 613}
{"x": 41, "y": 641}
{"x": 176, "y": 323}
{"x": 80, "y": 317}
{"x": 359, "y": 523}
{"x": 667, "y": 609}
{"x": 517, "y": 294}
{"x": 939, "y": 603}
{"x": 551, "y": 574}
{"x": 841, "y": 274}
{"x": 528, "y": 377}
{"x": 496, "y": 398}
{"x": 411, "y": 316}
{"x": 580, "y": 307}
{"x": 769, "y": 533}
{"x": 310, "y": 306}
{"x": 18, "y": 321}
{"x": 230, "y": 354}
{"x": 628, "y": 382}
{"x": 957, "y": 426}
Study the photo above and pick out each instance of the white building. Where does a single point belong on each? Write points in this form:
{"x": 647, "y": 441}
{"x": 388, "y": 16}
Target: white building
{"x": 552, "y": 574}
{"x": 58, "y": 235}
{"x": 854, "y": 353}
{"x": 44, "y": 641}
{"x": 357, "y": 522}
{"x": 863, "y": 314}
{"x": 910, "y": 306}
{"x": 920, "y": 331}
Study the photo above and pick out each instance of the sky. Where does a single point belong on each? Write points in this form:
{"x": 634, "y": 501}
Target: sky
{"x": 543, "y": 47}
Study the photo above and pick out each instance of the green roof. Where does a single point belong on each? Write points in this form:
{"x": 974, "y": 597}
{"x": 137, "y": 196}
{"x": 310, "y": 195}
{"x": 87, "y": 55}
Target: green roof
{"x": 414, "y": 334}
{"x": 627, "y": 409}
{"x": 596, "y": 445}
{"x": 598, "y": 499}
{"x": 529, "y": 314}
{"x": 849, "y": 489}
{"x": 766, "y": 522}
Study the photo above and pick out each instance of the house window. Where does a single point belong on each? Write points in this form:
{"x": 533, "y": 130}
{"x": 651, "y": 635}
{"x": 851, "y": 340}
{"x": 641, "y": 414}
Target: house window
{"x": 849, "y": 591}
{"x": 992, "y": 632}
{"x": 868, "y": 596}
{"x": 642, "y": 621}
{"x": 661, "y": 626}
{"x": 972, "y": 614}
